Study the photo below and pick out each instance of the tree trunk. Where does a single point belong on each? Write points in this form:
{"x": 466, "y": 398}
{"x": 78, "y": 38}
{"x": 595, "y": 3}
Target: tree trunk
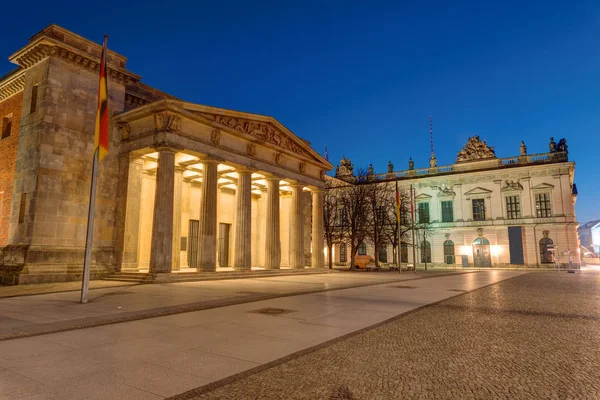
{"x": 330, "y": 255}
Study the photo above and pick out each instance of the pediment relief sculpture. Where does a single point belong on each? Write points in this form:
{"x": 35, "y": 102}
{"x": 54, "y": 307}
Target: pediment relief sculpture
{"x": 262, "y": 130}
{"x": 444, "y": 191}
{"x": 474, "y": 150}
{"x": 125, "y": 129}
{"x": 512, "y": 185}
{"x": 167, "y": 122}
{"x": 215, "y": 137}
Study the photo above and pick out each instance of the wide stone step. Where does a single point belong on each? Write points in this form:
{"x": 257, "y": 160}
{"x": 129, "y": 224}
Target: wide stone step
{"x": 206, "y": 276}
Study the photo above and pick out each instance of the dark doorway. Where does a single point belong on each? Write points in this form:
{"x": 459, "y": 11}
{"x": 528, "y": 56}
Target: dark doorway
{"x": 192, "y": 253}
{"x": 515, "y": 244}
{"x": 224, "y": 245}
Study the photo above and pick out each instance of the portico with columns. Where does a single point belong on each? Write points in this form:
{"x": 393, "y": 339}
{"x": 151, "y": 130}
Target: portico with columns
{"x": 208, "y": 189}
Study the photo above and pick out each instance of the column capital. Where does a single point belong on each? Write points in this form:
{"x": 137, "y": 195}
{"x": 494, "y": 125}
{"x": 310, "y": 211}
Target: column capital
{"x": 205, "y": 159}
{"x": 316, "y": 189}
{"x": 166, "y": 149}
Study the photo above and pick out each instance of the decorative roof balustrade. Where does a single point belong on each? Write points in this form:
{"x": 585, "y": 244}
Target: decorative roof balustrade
{"x": 530, "y": 159}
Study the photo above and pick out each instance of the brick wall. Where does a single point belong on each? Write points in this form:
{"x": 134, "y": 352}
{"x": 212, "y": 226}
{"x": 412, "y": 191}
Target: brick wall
{"x": 8, "y": 158}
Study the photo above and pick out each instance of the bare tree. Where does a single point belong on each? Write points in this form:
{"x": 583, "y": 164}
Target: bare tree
{"x": 352, "y": 201}
{"x": 331, "y": 226}
{"x": 380, "y": 205}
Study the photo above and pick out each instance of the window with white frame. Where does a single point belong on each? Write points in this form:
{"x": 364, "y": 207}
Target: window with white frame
{"x": 542, "y": 205}
{"x": 513, "y": 207}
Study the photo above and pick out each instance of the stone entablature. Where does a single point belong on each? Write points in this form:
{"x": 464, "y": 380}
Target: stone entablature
{"x": 194, "y": 127}
{"x": 55, "y": 41}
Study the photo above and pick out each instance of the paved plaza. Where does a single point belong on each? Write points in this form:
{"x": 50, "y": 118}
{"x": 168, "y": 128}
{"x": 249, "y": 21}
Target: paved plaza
{"x": 165, "y": 356}
{"x": 536, "y": 336}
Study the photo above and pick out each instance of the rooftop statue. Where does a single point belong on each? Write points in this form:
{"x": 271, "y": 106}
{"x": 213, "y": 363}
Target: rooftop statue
{"x": 523, "y": 148}
{"x": 475, "y": 150}
{"x": 390, "y": 167}
{"x": 552, "y": 145}
{"x": 411, "y": 164}
{"x": 562, "y": 145}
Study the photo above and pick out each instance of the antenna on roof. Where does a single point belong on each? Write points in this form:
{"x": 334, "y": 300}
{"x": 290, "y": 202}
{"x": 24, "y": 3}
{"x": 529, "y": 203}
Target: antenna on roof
{"x": 431, "y": 133}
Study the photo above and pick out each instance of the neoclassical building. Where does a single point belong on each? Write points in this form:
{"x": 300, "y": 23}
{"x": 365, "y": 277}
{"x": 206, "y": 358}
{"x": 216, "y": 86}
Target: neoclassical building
{"x": 484, "y": 211}
{"x": 185, "y": 188}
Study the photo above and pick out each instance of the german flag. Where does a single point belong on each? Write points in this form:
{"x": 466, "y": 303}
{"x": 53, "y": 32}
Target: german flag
{"x": 102, "y": 138}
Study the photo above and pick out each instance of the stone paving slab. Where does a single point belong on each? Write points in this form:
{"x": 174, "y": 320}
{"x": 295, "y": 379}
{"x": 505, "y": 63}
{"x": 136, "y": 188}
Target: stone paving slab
{"x": 58, "y": 287}
{"x": 160, "y": 357}
{"x": 536, "y": 336}
{"x": 56, "y": 312}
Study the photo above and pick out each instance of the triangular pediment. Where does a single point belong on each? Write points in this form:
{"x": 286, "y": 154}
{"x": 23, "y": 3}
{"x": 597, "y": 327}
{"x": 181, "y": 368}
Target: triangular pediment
{"x": 258, "y": 128}
{"x": 422, "y": 196}
{"x": 543, "y": 186}
{"x": 478, "y": 190}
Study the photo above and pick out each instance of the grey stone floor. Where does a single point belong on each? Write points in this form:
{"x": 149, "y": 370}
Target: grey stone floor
{"x": 55, "y": 312}
{"x": 536, "y": 336}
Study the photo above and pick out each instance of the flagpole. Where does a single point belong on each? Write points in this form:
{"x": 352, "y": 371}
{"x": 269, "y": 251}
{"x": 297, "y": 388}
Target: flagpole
{"x": 90, "y": 232}
{"x": 398, "y": 248}
{"x": 412, "y": 217}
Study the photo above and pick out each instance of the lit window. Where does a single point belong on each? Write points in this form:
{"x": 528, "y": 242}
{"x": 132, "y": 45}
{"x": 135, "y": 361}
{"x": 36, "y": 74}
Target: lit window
{"x": 513, "y": 207}
{"x": 478, "y": 210}
{"x": 542, "y": 205}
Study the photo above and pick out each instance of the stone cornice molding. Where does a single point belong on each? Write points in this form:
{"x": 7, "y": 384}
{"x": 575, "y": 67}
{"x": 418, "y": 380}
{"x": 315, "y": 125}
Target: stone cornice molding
{"x": 12, "y": 85}
{"x": 43, "y": 47}
{"x": 187, "y": 110}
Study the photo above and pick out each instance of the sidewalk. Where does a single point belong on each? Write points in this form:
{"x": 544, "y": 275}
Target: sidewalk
{"x": 161, "y": 357}
{"x": 34, "y": 315}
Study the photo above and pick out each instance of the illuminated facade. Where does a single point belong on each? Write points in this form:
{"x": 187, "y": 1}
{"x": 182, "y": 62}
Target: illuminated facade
{"x": 485, "y": 211}
{"x": 185, "y": 188}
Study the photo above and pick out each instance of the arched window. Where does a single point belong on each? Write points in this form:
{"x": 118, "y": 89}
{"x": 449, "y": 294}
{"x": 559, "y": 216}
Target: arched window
{"x": 425, "y": 251}
{"x": 382, "y": 256}
{"x": 449, "y": 252}
{"x": 362, "y": 249}
{"x": 481, "y": 253}
{"x": 546, "y": 254}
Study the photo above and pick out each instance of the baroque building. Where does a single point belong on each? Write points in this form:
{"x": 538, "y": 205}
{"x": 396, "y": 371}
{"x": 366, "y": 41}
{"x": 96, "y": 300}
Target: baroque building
{"x": 482, "y": 211}
{"x": 185, "y": 187}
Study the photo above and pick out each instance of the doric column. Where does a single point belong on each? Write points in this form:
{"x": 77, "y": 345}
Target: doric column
{"x": 243, "y": 221}
{"x": 207, "y": 229}
{"x": 318, "y": 257}
{"x": 296, "y": 228}
{"x": 272, "y": 239}
{"x": 161, "y": 251}
{"x": 177, "y": 218}
{"x": 131, "y": 210}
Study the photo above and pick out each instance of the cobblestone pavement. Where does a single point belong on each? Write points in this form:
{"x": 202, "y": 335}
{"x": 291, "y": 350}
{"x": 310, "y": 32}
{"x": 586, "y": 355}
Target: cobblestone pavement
{"x": 536, "y": 336}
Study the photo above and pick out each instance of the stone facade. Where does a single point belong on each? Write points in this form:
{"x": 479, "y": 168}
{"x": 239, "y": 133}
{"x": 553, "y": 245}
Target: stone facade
{"x": 527, "y": 201}
{"x": 171, "y": 163}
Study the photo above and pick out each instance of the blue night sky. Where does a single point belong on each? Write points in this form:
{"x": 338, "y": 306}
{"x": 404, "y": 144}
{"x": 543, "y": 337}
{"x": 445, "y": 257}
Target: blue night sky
{"x": 364, "y": 79}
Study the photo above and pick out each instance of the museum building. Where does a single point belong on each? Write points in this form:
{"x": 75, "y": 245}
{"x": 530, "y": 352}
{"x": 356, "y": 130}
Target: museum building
{"x": 482, "y": 211}
{"x": 185, "y": 187}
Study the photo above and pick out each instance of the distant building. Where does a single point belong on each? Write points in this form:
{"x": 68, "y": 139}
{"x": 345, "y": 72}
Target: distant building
{"x": 589, "y": 236}
{"x": 486, "y": 211}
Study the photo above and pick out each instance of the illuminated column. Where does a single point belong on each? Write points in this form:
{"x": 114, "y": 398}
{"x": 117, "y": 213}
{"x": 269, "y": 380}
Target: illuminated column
{"x": 177, "y": 218}
{"x": 161, "y": 253}
{"x": 272, "y": 238}
{"x": 207, "y": 227}
{"x": 243, "y": 221}
{"x": 296, "y": 228}
{"x": 317, "y": 259}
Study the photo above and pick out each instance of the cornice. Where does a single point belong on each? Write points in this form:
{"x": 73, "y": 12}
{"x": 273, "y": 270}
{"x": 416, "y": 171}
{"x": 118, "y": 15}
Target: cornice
{"x": 12, "y": 85}
{"x": 44, "y": 47}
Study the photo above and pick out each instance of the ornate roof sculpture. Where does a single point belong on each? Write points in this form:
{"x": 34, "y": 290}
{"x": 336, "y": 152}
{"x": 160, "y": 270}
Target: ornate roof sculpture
{"x": 475, "y": 150}
{"x": 345, "y": 169}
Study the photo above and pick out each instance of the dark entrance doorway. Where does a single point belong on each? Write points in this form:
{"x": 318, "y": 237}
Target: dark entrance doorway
{"x": 192, "y": 253}
{"x": 224, "y": 245}
{"x": 481, "y": 253}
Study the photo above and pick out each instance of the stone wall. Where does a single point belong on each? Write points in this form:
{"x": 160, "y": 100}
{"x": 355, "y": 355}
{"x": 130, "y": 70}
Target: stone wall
{"x": 53, "y": 173}
{"x": 10, "y": 107}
